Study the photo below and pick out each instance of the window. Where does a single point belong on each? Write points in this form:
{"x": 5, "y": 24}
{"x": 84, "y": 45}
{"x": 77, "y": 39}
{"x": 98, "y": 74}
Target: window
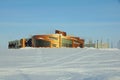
{"x": 42, "y": 43}
{"x": 29, "y": 43}
{"x": 66, "y": 42}
{"x": 54, "y": 45}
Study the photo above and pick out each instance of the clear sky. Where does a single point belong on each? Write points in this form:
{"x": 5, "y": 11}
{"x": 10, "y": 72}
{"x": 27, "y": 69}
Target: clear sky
{"x": 88, "y": 19}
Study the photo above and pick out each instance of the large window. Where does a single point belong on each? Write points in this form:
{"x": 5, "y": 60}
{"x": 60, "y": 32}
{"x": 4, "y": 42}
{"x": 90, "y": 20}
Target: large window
{"x": 66, "y": 42}
{"x": 29, "y": 43}
{"x": 42, "y": 43}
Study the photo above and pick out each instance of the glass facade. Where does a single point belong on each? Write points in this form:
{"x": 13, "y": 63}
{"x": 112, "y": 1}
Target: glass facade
{"x": 42, "y": 43}
{"x": 28, "y": 43}
{"x": 66, "y": 43}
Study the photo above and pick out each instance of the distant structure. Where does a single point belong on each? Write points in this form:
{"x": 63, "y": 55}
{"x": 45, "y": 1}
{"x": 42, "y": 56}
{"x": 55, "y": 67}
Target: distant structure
{"x": 118, "y": 44}
{"x": 97, "y": 44}
{"x": 103, "y": 45}
{"x": 90, "y": 44}
{"x": 58, "y": 40}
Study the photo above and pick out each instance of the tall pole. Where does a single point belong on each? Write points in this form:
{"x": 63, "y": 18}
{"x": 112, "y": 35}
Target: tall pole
{"x": 97, "y": 43}
{"x": 101, "y": 43}
{"x": 94, "y": 43}
{"x": 111, "y": 44}
{"x": 108, "y": 43}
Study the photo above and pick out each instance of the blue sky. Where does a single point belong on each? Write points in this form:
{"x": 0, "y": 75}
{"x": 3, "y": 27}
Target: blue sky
{"x": 89, "y": 19}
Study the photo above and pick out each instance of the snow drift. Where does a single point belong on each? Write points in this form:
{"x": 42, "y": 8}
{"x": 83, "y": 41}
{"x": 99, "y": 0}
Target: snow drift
{"x": 60, "y": 64}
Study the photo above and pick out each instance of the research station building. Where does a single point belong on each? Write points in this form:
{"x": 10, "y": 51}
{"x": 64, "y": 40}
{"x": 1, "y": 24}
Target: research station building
{"x": 57, "y": 40}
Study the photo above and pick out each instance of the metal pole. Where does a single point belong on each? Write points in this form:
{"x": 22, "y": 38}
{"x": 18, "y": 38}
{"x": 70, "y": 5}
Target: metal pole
{"x": 97, "y": 43}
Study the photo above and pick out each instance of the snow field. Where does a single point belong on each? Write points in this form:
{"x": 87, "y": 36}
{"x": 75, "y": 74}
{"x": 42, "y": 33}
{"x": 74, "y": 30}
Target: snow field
{"x": 60, "y": 64}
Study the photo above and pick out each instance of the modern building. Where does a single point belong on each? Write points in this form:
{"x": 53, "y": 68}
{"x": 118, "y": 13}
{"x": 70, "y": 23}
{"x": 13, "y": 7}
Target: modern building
{"x": 57, "y": 40}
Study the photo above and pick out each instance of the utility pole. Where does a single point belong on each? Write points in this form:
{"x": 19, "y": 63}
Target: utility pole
{"x": 108, "y": 43}
{"x": 101, "y": 43}
{"x": 97, "y": 43}
{"x": 111, "y": 44}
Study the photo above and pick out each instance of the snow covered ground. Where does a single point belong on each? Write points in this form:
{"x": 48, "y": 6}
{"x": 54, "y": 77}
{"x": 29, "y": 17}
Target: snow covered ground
{"x": 60, "y": 64}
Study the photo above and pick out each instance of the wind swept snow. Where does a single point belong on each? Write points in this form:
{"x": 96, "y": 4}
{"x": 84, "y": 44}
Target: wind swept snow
{"x": 60, "y": 64}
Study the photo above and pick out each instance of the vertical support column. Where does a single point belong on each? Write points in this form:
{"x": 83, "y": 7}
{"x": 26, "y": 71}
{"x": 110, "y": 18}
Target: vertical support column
{"x": 73, "y": 43}
{"x": 60, "y": 41}
{"x": 22, "y": 43}
{"x": 97, "y": 43}
{"x": 51, "y": 44}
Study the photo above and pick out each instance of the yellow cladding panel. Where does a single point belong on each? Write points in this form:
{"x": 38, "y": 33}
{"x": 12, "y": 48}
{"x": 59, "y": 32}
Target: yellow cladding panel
{"x": 22, "y": 43}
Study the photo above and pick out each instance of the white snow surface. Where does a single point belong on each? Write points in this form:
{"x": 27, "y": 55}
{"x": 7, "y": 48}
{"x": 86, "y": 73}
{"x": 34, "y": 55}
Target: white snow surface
{"x": 59, "y": 64}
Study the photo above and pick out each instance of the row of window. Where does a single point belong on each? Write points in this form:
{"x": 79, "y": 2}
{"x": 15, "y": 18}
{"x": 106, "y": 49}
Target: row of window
{"x": 44, "y": 43}
{"x": 66, "y": 42}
